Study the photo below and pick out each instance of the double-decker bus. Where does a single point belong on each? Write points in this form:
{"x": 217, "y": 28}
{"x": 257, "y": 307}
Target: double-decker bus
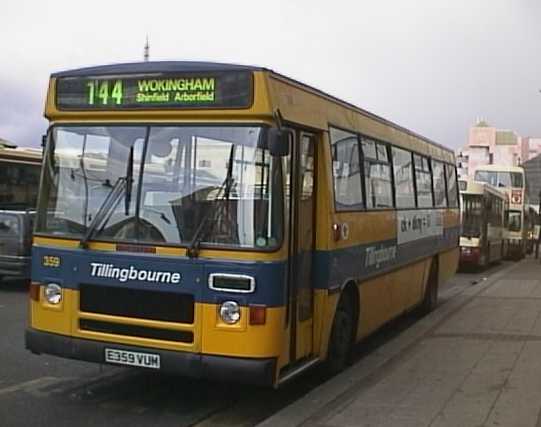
{"x": 228, "y": 222}
{"x": 19, "y": 181}
{"x": 512, "y": 180}
{"x": 483, "y": 209}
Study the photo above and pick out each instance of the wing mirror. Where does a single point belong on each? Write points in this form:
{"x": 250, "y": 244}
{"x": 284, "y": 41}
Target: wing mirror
{"x": 278, "y": 142}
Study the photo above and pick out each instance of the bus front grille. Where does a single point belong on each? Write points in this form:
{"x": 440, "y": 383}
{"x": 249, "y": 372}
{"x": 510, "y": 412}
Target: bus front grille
{"x": 135, "y": 331}
{"x": 137, "y": 303}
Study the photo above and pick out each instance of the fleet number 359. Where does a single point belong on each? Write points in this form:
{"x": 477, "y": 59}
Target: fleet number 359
{"x": 51, "y": 261}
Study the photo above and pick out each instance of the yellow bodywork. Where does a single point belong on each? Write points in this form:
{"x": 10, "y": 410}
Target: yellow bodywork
{"x": 211, "y": 335}
{"x": 381, "y": 297}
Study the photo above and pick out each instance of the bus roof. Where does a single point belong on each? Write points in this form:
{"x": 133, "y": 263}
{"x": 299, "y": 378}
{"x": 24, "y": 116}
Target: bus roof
{"x": 155, "y": 67}
{"x": 20, "y": 155}
{"x": 192, "y": 66}
{"x": 500, "y": 168}
{"x": 477, "y": 187}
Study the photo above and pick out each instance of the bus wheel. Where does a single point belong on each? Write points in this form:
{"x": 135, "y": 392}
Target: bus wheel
{"x": 430, "y": 300}
{"x": 341, "y": 339}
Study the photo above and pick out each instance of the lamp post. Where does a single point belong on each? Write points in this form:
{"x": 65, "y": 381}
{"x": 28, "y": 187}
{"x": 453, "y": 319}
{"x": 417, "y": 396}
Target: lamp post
{"x": 538, "y": 228}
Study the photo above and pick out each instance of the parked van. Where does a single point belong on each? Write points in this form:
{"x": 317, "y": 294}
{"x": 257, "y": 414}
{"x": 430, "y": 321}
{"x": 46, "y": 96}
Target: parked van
{"x": 19, "y": 181}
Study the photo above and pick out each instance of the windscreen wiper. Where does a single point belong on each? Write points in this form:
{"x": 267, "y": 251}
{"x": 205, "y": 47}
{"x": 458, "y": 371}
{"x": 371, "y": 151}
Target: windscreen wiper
{"x": 123, "y": 185}
{"x": 129, "y": 182}
{"x": 106, "y": 207}
{"x": 202, "y": 231}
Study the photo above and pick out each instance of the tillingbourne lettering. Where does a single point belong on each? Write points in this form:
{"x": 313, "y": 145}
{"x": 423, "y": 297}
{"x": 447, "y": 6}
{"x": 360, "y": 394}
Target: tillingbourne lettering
{"x": 110, "y": 271}
{"x": 376, "y": 256}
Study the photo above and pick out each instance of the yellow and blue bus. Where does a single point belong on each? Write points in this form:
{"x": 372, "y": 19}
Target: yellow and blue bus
{"x": 227, "y": 222}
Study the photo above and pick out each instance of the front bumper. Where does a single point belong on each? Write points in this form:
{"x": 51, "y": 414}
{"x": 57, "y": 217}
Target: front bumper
{"x": 515, "y": 248}
{"x": 220, "y": 368}
{"x": 16, "y": 266}
{"x": 470, "y": 255}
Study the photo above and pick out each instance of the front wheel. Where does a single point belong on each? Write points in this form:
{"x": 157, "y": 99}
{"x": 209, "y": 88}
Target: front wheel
{"x": 341, "y": 340}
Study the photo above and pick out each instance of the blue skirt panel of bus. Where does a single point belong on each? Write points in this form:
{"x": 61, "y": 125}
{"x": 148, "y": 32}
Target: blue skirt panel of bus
{"x": 72, "y": 267}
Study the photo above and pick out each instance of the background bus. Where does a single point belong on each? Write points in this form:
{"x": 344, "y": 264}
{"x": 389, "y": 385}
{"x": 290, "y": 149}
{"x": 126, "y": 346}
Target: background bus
{"x": 227, "y": 222}
{"x": 19, "y": 182}
{"x": 483, "y": 209}
{"x": 512, "y": 180}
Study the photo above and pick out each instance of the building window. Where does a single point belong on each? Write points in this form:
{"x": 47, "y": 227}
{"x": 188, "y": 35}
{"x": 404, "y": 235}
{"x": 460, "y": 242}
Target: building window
{"x": 377, "y": 175}
{"x": 403, "y": 178}
{"x": 346, "y": 169}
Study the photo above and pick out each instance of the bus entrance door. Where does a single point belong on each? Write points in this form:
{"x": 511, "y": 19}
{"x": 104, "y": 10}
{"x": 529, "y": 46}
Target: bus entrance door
{"x": 302, "y": 247}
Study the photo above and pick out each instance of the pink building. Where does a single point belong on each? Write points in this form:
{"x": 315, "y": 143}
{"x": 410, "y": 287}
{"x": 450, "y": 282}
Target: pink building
{"x": 490, "y": 146}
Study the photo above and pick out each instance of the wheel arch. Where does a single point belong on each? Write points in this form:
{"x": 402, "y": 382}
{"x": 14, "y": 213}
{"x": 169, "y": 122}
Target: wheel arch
{"x": 351, "y": 290}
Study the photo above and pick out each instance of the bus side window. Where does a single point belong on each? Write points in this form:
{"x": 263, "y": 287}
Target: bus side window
{"x": 346, "y": 170}
{"x": 307, "y": 165}
{"x": 377, "y": 175}
{"x": 423, "y": 180}
{"x": 451, "y": 186}
{"x": 438, "y": 179}
{"x": 403, "y": 178}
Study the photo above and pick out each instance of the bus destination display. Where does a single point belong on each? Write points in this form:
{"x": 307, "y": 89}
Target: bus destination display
{"x": 187, "y": 90}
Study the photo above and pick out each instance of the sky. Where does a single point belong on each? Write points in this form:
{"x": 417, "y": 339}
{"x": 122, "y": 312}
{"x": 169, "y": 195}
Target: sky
{"x": 433, "y": 66}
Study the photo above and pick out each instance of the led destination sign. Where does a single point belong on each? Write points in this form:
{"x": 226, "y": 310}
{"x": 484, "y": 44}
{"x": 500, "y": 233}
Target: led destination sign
{"x": 187, "y": 90}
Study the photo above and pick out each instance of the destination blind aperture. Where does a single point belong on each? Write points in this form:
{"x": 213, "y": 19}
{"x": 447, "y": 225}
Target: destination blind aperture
{"x": 186, "y": 90}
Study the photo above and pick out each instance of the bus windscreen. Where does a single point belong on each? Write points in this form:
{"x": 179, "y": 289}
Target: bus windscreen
{"x": 500, "y": 179}
{"x": 472, "y": 217}
{"x": 176, "y": 91}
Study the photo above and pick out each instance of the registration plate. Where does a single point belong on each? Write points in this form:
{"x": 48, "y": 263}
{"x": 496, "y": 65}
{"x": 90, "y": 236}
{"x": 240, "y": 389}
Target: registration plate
{"x": 132, "y": 358}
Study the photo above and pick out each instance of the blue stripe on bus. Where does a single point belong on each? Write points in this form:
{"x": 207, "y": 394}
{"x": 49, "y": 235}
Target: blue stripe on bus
{"x": 333, "y": 268}
{"x": 76, "y": 269}
{"x": 330, "y": 268}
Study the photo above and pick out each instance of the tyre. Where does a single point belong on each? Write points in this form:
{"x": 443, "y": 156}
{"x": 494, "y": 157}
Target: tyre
{"x": 430, "y": 300}
{"x": 341, "y": 340}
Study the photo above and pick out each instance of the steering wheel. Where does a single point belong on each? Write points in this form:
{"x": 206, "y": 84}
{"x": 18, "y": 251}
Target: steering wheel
{"x": 168, "y": 220}
{"x": 147, "y": 231}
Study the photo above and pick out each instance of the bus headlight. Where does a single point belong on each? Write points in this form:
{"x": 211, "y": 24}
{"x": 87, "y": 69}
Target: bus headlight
{"x": 53, "y": 293}
{"x": 230, "y": 312}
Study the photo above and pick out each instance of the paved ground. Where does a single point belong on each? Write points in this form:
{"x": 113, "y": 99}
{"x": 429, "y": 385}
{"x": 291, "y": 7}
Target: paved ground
{"x": 46, "y": 391}
{"x": 475, "y": 361}
{"x": 50, "y": 391}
